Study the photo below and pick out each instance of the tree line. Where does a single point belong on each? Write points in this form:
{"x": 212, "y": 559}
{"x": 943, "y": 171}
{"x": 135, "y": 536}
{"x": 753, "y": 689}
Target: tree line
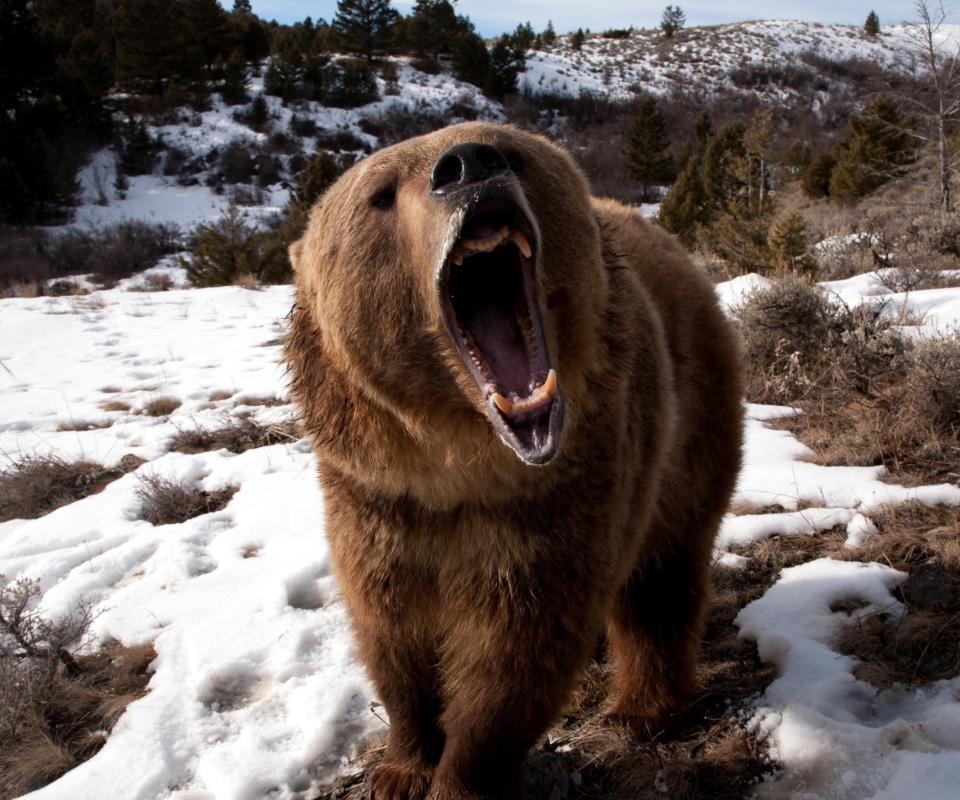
{"x": 66, "y": 67}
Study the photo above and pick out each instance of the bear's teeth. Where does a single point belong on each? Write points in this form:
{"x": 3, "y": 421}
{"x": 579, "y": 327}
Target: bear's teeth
{"x": 550, "y": 384}
{"x": 505, "y": 404}
{"x": 521, "y": 242}
{"x": 539, "y": 397}
{"x": 487, "y": 243}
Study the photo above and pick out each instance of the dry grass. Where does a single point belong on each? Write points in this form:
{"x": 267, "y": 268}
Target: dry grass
{"x": 167, "y": 501}
{"x": 869, "y": 395}
{"x": 269, "y": 402}
{"x": 63, "y": 721}
{"x": 160, "y": 406}
{"x": 36, "y": 485}
{"x": 237, "y": 435}
{"x": 115, "y": 405}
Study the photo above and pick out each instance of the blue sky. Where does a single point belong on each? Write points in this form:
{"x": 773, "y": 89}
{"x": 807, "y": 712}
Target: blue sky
{"x": 493, "y": 18}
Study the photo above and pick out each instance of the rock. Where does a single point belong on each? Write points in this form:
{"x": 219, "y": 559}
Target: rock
{"x": 929, "y": 586}
{"x": 546, "y": 778}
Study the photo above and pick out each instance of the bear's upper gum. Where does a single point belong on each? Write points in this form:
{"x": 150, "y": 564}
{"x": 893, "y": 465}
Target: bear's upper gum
{"x": 464, "y": 248}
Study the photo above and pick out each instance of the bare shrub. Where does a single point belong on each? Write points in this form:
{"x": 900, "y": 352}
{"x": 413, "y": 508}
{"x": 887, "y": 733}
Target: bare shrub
{"x": 237, "y": 435}
{"x": 160, "y": 406}
{"x": 935, "y": 372}
{"x": 167, "y": 501}
{"x": 56, "y": 707}
{"x": 36, "y": 485}
{"x": 396, "y": 123}
{"x": 237, "y": 162}
{"x": 338, "y": 140}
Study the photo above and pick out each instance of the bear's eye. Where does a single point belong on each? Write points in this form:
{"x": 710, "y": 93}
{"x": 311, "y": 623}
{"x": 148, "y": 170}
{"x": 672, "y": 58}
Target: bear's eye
{"x": 516, "y": 163}
{"x": 384, "y": 197}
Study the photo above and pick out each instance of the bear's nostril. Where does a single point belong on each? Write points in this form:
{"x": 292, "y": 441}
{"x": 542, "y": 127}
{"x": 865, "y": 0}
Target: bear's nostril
{"x": 447, "y": 170}
{"x": 491, "y": 159}
{"x": 463, "y": 164}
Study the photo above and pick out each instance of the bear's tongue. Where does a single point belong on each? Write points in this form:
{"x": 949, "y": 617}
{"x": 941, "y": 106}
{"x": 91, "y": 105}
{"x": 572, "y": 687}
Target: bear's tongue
{"x": 493, "y": 326}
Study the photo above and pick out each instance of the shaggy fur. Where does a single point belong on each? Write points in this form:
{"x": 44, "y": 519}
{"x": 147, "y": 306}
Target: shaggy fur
{"x": 478, "y": 585}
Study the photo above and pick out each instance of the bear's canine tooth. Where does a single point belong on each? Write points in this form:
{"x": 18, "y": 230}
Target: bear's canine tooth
{"x": 505, "y": 404}
{"x": 521, "y": 242}
{"x": 550, "y": 384}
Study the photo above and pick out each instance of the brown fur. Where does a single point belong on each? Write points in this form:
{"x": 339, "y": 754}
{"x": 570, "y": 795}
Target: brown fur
{"x": 478, "y": 585}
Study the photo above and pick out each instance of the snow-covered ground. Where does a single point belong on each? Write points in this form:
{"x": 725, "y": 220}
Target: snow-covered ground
{"x": 256, "y": 690}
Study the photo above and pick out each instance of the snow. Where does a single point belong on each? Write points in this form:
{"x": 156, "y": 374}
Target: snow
{"x": 256, "y": 690}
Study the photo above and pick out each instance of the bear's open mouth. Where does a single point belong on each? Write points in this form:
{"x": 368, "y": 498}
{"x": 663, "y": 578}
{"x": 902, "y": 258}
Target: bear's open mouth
{"x": 488, "y": 290}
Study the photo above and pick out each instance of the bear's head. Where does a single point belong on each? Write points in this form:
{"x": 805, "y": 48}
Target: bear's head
{"x": 456, "y": 273}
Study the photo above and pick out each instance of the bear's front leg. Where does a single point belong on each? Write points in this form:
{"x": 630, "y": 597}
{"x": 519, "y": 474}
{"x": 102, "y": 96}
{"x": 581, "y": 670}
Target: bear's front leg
{"x": 503, "y": 684}
{"x": 407, "y": 690}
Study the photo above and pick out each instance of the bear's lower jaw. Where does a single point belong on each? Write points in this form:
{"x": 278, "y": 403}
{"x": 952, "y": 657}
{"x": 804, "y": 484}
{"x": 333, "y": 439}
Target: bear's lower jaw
{"x": 488, "y": 292}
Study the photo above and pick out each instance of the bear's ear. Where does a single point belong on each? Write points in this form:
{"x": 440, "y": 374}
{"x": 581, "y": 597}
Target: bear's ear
{"x": 295, "y": 250}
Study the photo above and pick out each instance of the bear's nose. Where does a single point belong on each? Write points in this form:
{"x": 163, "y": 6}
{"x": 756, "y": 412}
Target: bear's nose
{"x": 463, "y": 164}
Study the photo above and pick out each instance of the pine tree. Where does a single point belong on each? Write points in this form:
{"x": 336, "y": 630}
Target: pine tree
{"x": 242, "y": 7}
{"x": 688, "y": 208}
{"x": 503, "y": 70}
{"x": 672, "y": 21}
{"x": 739, "y": 176}
{"x": 815, "y": 179}
{"x": 471, "y": 59}
{"x": 646, "y": 144}
{"x": 877, "y": 147}
{"x": 576, "y": 39}
{"x": 205, "y": 34}
{"x": 432, "y": 26}
{"x": 224, "y": 251}
{"x": 364, "y": 26}
{"x": 148, "y": 34}
{"x": 788, "y": 244}
{"x": 872, "y": 26}
{"x": 549, "y": 35}
{"x": 235, "y": 77}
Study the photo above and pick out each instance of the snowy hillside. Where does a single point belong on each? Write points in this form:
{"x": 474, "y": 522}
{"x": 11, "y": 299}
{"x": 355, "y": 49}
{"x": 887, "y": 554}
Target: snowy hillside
{"x": 704, "y": 59}
{"x": 778, "y": 61}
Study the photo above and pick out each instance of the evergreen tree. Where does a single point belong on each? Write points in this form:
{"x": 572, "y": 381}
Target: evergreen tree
{"x": 242, "y": 7}
{"x": 471, "y": 59}
{"x": 148, "y": 35}
{"x": 225, "y": 251}
{"x": 432, "y": 26}
{"x": 576, "y": 39}
{"x": 136, "y": 151}
{"x": 316, "y": 177}
{"x": 672, "y": 21}
{"x": 364, "y": 26}
{"x": 788, "y": 245}
{"x": 235, "y": 77}
{"x": 872, "y": 26}
{"x": 739, "y": 186}
{"x": 549, "y": 35}
{"x": 523, "y": 38}
{"x": 349, "y": 83}
{"x": 646, "y": 144}
{"x": 688, "y": 208}
{"x": 205, "y": 35}
{"x": 815, "y": 179}
{"x": 503, "y": 70}
{"x": 877, "y": 147}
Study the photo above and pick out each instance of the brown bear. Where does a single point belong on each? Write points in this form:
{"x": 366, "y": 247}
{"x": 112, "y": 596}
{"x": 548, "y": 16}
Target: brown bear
{"x": 526, "y": 408}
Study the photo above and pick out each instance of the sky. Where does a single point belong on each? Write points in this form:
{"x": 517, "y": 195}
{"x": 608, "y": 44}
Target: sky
{"x": 492, "y": 19}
